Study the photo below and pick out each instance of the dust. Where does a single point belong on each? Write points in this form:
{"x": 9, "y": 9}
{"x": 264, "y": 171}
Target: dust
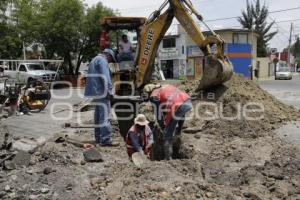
{"x": 222, "y": 159}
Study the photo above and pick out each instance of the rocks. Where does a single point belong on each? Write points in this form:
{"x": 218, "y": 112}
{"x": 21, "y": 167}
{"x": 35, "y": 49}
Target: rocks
{"x": 7, "y": 188}
{"x": 22, "y": 159}
{"x": 48, "y": 170}
{"x": 209, "y": 195}
{"x": 5, "y": 139}
{"x": 33, "y": 197}
{"x": 45, "y": 190}
{"x": 82, "y": 162}
{"x": 28, "y": 145}
{"x": 2, "y": 194}
{"x": 16, "y": 159}
{"x": 69, "y": 186}
{"x": 197, "y": 136}
{"x": 9, "y": 165}
{"x": 252, "y": 195}
{"x": 193, "y": 130}
{"x": 92, "y": 155}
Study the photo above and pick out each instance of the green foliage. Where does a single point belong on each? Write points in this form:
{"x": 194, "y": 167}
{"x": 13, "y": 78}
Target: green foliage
{"x": 297, "y": 61}
{"x": 255, "y": 18}
{"x": 66, "y": 28}
{"x": 295, "y": 49}
{"x": 89, "y": 43}
{"x": 10, "y": 43}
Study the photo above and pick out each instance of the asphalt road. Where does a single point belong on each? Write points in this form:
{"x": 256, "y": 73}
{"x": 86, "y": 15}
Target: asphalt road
{"x": 45, "y": 123}
{"x": 288, "y": 91}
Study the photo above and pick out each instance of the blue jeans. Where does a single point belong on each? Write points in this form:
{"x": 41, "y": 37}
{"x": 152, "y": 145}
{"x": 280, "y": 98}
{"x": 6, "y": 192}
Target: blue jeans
{"x": 125, "y": 57}
{"x": 103, "y": 131}
{"x": 169, "y": 131}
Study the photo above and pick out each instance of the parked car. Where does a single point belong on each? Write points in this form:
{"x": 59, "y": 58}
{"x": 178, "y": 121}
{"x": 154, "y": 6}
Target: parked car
{"x": 284, "y": 73}
{"x": 27, "y": 72}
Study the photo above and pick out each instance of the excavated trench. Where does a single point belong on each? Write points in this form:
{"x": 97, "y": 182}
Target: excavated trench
{"x": 180, "y": 150}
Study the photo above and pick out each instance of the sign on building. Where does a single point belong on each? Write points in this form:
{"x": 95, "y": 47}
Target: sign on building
{"x": 194, "y": 51}
{"x": 169, "y": 52}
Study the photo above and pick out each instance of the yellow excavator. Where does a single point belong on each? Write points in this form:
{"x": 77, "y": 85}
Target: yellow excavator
{"x": 135, "y": 74}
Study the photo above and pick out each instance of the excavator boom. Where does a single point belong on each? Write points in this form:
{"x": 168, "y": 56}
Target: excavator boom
{"x": 216, "y": 67}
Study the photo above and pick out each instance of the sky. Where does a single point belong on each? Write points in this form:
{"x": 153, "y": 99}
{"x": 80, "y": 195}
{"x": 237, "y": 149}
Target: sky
{"x": 215, "y": 9}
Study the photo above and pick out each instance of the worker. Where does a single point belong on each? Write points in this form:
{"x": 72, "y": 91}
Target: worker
{"x": 139, "y": 137}
{"x": 1, "y": 71}
{"x": 99, "y": 87}
{"x": 125, "y": 47}
{"x": 171, "y": 105}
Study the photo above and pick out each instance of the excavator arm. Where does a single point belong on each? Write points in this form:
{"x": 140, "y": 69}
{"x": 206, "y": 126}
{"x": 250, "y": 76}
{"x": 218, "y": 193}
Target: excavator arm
{"x": 150, "y": 37}
{"x": 216, "y": 67}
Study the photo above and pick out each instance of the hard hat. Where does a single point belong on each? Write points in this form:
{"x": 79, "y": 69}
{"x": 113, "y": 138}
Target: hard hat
{"x": 150, "y": 87}
{"x": 110, "y": 52}
{"x": 141, "y": 120}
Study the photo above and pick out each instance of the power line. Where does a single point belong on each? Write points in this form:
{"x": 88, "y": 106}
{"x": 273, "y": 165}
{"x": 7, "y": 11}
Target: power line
{"x": 291, "y": 20}
{"x": 236, "y": 17}
{"x": 148, "y": 7}
{"x": 283, "y": 10}
{"x": 152, "y": 5}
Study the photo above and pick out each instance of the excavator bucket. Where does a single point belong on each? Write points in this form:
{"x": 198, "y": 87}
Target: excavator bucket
{"x": 215, "y": 72}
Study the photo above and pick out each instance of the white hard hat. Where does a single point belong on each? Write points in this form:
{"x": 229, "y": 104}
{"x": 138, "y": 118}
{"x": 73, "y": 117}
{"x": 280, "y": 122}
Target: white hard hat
{"x": 150, "y": 87}
{"x": 141, "y": 120}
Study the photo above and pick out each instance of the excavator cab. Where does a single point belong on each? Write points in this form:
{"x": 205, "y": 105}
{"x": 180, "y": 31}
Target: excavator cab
{"x": 113, "y": 29}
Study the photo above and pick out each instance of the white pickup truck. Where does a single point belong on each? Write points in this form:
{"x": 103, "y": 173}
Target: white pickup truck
{"x": 26, "y": 72}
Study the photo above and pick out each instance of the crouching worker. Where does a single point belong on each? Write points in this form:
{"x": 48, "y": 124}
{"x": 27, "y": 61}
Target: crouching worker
{"x": 139, "y": 137}
{"x": 171, "y": 106}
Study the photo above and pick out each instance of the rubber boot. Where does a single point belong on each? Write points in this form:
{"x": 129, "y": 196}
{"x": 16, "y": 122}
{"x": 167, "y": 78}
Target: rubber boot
{"x": 168, "y": 150}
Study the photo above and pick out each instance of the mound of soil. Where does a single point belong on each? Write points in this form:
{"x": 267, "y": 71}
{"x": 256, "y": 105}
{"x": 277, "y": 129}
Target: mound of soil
{"x": 231, "y": 100}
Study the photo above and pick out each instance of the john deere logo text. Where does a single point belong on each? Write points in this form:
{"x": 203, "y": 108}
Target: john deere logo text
{"x": 149, "y": 42}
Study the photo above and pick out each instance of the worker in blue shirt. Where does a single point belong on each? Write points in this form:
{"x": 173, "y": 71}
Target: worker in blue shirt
{"x": 99, "y": 87}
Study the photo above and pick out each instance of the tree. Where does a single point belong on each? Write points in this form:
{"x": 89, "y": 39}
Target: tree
{"x": 65, "y": 28}
{"x": 255, "y": 18}
{"x": 10, "y": 43}
{"x": 59, "y": 28}
{"x": 88, "y": 45}
{"x": 295, "y": 49}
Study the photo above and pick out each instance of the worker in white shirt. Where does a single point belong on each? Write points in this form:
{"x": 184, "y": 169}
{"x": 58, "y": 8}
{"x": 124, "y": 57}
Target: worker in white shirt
{"x": 125, "y": 53}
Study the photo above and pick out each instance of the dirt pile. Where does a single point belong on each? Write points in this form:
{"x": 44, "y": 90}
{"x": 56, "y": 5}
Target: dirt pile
{"x": 242, "y": 108}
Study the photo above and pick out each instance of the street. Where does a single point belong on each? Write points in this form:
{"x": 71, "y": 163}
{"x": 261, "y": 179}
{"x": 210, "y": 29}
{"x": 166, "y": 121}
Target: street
{"x": 288, "y": 91}
{"x": 43, "y": 124}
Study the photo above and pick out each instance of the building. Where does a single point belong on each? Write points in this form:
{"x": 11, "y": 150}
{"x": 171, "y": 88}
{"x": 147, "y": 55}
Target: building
{"x": 179, "y": 57}
{"x": 172, "y": 56}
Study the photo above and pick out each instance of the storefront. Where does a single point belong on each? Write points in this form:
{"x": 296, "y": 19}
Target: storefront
{"x": 194, "y": 67}
{"x": 172, "y": 57}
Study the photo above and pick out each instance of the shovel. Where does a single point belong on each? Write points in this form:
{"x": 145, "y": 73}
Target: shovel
{"x": 140, "y": 160}
{"x": 74, "y": 142}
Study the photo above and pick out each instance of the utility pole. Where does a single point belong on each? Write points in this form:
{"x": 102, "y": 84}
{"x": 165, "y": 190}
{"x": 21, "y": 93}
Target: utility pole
{"x": 290, "y": 45}
{"x": 24, "y": 51}
{"x": 252, "y": 52}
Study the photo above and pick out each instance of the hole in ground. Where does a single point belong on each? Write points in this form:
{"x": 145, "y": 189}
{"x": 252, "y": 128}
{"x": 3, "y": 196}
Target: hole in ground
{"x": 180, "y": 150}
